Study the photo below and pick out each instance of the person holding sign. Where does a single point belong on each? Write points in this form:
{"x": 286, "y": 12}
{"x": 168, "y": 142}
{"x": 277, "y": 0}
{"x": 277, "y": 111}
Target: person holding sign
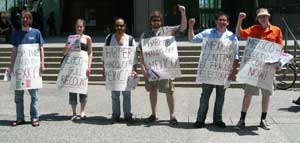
{"x": 84, "y": 44}
{"x": 120, "y": 40}
{"x": 26, "y": 72}
{"x": 266, "y": 31}
{"x": 165, "y": 85}
{"x": 221, "y": 35}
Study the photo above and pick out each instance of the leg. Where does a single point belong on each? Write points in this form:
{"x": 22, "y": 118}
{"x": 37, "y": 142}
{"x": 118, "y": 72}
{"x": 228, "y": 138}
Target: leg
{"x": 73, "y": 102}
{"x": 265, "y": 103}
{"x": 34, "y": 113}
{"x": 203, "y": 107}
{"x": 220, "y": 97}
{"x": 153, "y": 100}
{"x": 171, "y": 104}
{"x": 246, "y": 102}
{"x": 127, "y": 104}
{"x": 19, "y": 100}
{"x": 83, "y": 100}
{"x": 115, "y": 96}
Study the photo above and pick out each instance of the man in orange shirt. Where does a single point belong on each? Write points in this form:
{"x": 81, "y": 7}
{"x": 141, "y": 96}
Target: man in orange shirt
{"x": 263, "y": 30}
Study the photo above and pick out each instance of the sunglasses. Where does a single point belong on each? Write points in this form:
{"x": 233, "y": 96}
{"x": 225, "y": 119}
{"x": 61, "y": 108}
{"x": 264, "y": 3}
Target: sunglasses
{"x": 119, "y": 26}
{"x": 156, "y": 20}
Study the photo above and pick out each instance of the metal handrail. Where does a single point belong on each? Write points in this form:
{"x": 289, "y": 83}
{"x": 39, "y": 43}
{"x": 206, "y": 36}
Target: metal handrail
{"x": 288, "y": 29}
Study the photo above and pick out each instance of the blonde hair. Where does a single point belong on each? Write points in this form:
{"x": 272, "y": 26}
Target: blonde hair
{"x": 28, "y": 14}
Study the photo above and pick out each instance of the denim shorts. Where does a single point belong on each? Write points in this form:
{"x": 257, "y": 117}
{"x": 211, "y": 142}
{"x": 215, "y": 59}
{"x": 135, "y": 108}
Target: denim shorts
{"x": 253, "y": 90}
{"x": 163, "y": 86}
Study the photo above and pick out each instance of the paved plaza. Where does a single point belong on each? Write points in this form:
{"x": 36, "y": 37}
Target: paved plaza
{"x": 283, "y": 116}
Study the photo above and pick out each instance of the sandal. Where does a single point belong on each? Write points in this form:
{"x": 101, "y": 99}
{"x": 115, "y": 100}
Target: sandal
{"x": 16, "y": 123}
{"x": 35, "y": 123}
{"x": 83, "y": 117}
{"x": 74, "y": 117}
{"x": 173, "y": 121}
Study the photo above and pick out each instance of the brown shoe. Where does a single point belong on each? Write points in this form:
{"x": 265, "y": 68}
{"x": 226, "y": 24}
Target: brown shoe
{"x": 35, "y": 123}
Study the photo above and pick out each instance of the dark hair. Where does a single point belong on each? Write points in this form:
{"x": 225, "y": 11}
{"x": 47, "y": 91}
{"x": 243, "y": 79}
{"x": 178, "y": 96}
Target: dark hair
{"x": 81, "y": 20}
{"x": 119, "y": 18}
{"x": 221, "y": 14}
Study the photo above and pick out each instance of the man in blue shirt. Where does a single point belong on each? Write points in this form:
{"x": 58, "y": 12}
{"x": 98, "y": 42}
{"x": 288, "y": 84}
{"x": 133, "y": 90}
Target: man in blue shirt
{"x": 26, "y": 35}
{"x": 221, "y": 33}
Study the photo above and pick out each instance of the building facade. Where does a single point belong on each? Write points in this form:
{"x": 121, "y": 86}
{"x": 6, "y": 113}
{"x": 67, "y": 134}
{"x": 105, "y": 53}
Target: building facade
{"x": 99, "y": 14}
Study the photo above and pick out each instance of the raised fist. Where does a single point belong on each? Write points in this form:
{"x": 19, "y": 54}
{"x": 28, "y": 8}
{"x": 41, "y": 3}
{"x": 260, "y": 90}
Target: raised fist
{"x": 181, "y": 9}
{"x": 242, "y": 15}
{"x": 192, "y": 22}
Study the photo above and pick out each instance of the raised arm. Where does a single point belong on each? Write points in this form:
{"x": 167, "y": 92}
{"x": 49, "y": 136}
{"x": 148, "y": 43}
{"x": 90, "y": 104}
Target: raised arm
{"x": 183, "y": 24}
{"x": 191, "y": 33}
{"x": 241, "y": 17}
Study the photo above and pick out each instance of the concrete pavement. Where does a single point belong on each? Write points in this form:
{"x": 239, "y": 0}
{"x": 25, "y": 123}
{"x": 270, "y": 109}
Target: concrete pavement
{"x": 283, "y": 116}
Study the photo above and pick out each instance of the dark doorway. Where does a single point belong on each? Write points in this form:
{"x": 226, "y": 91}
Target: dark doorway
{"x": 99, "y": 14}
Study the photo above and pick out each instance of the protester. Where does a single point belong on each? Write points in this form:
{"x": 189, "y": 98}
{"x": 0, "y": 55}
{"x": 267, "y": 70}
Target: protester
{"x": 221, "y": 33}
{"x": 165, "y": 85}
{"x": 266, "y": 31}
{"x": 85, "y": 45}
{"x": 26, "y": 35}
{"x": 120, "y": 38}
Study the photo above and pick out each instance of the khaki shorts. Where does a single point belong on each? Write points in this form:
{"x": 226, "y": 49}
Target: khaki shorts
{"x": 163, "y": 86}
{"x": 253, "y": 90}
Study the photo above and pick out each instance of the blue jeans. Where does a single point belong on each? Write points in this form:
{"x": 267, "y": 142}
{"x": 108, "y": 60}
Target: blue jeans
{"x": 19, "y": 100}
{"x": 204, "y": 102}
{"x": 115, "y": 96}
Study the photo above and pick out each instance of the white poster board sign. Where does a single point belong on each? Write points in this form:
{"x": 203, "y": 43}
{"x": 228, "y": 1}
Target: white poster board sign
{"x": 216, "y": 60}
{"x": 72, "y": 75}
{"x": 254, "y": 68}
{"x": 118, "y": 63}
{"x": 161, "y": 57}
{"x": 26, "y": 71}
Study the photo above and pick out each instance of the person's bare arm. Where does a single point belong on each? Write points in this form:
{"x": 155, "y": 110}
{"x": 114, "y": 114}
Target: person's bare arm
{"x": 238, "y": 27}
{"x": 191, "y": 33}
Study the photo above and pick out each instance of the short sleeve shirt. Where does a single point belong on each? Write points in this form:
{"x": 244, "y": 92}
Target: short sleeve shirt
{"x": 213, "y": 33}
{"x": 272, "y": 33}
{"x": 32, "y": 36}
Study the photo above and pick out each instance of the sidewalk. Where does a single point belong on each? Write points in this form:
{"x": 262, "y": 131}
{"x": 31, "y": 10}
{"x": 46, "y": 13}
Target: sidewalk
{"x": 283, "y": 116}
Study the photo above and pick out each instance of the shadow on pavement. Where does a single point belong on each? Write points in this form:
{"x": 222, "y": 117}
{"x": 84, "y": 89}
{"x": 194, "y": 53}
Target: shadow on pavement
{"x": 54, "y": 117}
{"x": 94, "y": 120}
{"x": 294, "y": 109}
{"x": 247, "y": 131}
{"x": 5, "y": 123}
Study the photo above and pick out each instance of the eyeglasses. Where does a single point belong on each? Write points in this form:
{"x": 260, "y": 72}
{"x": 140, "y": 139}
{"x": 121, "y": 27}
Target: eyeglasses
{"x": 156, "y": 20}
{"x": 119, "y": 26}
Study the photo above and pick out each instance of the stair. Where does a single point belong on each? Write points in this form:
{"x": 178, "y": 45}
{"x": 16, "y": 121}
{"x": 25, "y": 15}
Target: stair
{"x": 189, "y": 54}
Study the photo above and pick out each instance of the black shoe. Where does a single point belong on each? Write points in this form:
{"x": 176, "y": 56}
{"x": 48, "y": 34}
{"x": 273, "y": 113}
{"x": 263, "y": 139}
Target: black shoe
{"x": 198, "y": 124}
{"x": 129, "y": 119}
{"x": 151, "y": 118}
{"x": 240, "y": 125}
{"x": 173, "y": 121}
{"x": 220, "y": 124}
{"x": 264, "y": 124}
{"x": 297, "y": 102}
{"x": 115, "y": 120}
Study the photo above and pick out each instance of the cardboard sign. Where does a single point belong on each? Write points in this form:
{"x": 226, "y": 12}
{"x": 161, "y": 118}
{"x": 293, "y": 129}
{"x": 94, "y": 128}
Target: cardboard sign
{"x": 161, "y": 58}
{"x": 26, "y": 71}
{"x": 118, "y": 63}
{"x": 255, "y": 68}
{"x": 72, "y": 75}
{"x": 216, "y": 59}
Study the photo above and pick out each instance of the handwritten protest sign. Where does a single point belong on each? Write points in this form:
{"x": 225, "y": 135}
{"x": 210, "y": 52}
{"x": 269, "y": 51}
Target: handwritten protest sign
{"x": 216, "y": 59}
{"x": 254, "y": 69}
{"x": 72, "y": 75}
{"x": 161, "y": 57}
{"x": 74, "y": 42}
{"x": 26, "y": 72}
{"x": 118, "y": 63}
